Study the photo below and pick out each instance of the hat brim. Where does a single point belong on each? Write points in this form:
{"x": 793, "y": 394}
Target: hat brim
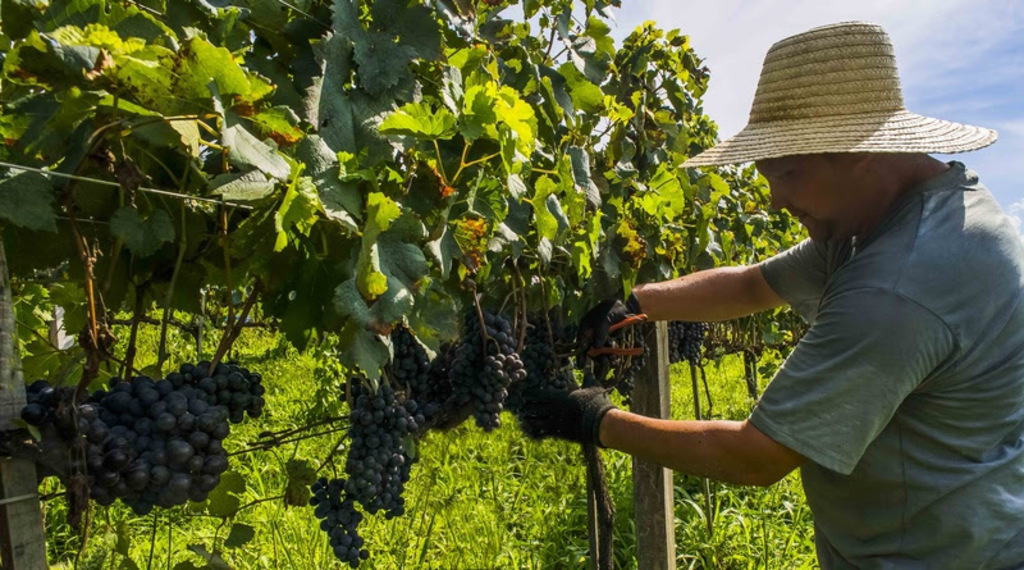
{"x": 893, "y": 132}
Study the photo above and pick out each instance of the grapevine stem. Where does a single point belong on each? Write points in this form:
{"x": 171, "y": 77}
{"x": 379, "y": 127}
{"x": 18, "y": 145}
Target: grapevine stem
{"x": 161, "y": 354}
{"x": 232, "y": 334}
{"x": 440, "y": 163}
{"x": 522, "y": 294}
{"x": 227, "y": 264}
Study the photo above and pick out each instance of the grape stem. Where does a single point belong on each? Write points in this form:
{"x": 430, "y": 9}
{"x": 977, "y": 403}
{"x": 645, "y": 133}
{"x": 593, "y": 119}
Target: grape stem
{"x": 231, "y": 334}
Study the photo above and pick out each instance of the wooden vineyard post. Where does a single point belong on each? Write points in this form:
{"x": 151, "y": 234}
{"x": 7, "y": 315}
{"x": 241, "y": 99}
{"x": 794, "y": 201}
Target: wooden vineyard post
{"x": 22, "y": 540}
{"x": 652, "y": 483}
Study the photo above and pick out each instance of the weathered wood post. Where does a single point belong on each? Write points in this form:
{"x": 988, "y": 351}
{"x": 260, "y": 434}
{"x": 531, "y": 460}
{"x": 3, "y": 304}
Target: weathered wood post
{"x": 652, "y": 483}
{"x": 22, "y": 540}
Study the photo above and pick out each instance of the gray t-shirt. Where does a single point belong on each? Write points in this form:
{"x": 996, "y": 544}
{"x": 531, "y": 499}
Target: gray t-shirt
{"x": 907, "y": 392}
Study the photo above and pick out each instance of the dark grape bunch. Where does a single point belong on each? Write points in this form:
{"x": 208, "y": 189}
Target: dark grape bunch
{"x": 411, "y": 369}
{"x": 378, "y": 462}
{"x": 157, "y": 442}
{"x": 339, "y": 519}
{"x": 544, "y": 369}
{"x": 627, "y": 377}
{"x": 484, "y": 378}
{"x": 686, "y": 340}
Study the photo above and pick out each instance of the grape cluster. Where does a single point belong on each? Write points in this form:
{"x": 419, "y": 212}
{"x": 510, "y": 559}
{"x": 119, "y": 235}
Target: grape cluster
{"x": 544, "y": 370}
{"x": 484, "y": 378}
{"x": 157, "y": 442}
{"x": 411, "y": 369}
{"x": 339, "y": 519}
{"x": 686, "y": 340}
{"x": 378, "y": 462}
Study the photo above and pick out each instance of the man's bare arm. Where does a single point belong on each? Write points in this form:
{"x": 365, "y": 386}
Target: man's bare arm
{"x": 716, "y": 294}
{"x": 735, "y": 452}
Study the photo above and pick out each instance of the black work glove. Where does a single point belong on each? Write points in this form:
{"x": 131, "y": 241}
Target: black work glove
{"x": 575, "y": 416}
{"x": 593, "y": 327}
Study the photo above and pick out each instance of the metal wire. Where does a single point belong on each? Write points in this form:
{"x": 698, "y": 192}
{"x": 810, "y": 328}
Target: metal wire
{"x": 116, "y": 185}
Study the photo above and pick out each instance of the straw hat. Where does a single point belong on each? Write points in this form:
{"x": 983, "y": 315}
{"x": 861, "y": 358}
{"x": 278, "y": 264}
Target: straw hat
{"x": 836, "y": 89}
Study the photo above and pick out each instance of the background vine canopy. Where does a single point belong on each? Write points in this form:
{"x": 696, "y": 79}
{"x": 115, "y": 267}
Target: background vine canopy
{"x": 355, "y": 163}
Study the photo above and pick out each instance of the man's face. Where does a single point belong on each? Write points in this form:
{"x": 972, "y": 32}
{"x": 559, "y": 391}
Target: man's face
{"x": 819, "y": 190}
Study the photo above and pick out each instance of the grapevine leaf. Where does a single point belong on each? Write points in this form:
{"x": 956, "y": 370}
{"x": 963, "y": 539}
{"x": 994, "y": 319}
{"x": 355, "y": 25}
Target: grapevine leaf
{"x": 380, "y": 212}
{"x": 586, "y": 96}
{"x": 362, "y": 349}
{"x": 26, "y": 200}
{"x": 278, "y": 123}
{"x": 301, "y": 476}
{"x": 516, "y": 187}
{"x": 298, "y": 211}
{"x": 580, "y": 161}
{"x": 477, "y": 113}
{"x": 250, "y": 186}
{"x": 327, "y": 103}
{"x": 555, "y": 208}
{"x": 223, "y": 501}
{"x": 383, "y": 64}
{"x": 519, "y": 117}
{"x": 350, "y": 304}
{"x": 246, "y": 151}
{"x": 444, "y": 250}
{"x": 205, "y": 62}
{"x": 415, "y": 26}
{"x": 240, "y": 535}
{"x": 420, "y": 121}
{"x": 189, "y": 132}
{"x": 213, "y": 559}
{"x": 143, "y": 236}
{"x": 547, "y": 225}
{"x": 341, "y": 200}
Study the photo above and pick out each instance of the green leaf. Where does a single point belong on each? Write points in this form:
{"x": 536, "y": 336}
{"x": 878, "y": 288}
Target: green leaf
{"x": 383, "y": 64}
{"x": 223, "y": 501}
{"x": 420, "y": 121}
{"x": 341, "y": 200}
{"x": 580, "y": 161}
{"x": 143, "y": 236}
{"x": 247, "y": 187}
{"x": 586, "y": 96}
{"x": 213, "y": 559}
{"x": 26, "y": 200}
{"x": 240, "y": 535}
{"x": 205, "y": 62}
{"x": 298, "y": 211}
{"x": 478, "y": 114}
{"x": 363, "y": 350}
{"x": 301, "y": 476}
{"x": 246, "y": 151}
{"x": 547, "y": 225}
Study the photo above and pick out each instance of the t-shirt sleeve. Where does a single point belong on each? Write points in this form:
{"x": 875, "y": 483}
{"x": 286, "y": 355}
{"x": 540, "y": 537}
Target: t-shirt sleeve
{"x": 865, "y": 353}
{"x": 798, "y": 275}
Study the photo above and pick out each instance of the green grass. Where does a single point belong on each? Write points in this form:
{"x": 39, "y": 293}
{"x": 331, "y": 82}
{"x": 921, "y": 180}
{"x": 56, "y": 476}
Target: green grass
{"x": 475, "y": 500}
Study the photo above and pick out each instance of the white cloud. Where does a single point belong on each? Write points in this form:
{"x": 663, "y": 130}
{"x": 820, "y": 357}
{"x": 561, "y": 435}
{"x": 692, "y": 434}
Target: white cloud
{"x": 959, "y": 59}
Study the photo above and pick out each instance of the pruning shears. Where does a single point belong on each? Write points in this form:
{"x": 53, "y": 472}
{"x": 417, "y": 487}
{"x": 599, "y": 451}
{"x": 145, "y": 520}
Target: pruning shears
{"x": 611, "y": 351}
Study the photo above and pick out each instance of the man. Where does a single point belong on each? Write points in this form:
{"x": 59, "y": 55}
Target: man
{"x": 903, "y": 405}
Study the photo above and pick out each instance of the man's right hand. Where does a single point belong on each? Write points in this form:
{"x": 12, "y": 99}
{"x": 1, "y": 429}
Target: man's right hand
{"x": 594, "y": 326}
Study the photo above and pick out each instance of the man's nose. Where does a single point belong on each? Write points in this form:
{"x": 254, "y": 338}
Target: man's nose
{"x": 778, "y": 203}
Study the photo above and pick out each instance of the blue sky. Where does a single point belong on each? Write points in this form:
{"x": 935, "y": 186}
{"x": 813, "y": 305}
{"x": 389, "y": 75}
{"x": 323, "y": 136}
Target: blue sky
{"x": 959, "y": 60}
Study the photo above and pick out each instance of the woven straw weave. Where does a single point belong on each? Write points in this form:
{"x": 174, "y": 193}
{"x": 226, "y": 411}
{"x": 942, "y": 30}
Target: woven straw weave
{"x": 836, "y": 89}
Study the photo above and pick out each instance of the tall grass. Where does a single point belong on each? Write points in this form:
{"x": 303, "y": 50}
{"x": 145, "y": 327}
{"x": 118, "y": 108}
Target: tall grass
{"x": 475, "y": 500}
